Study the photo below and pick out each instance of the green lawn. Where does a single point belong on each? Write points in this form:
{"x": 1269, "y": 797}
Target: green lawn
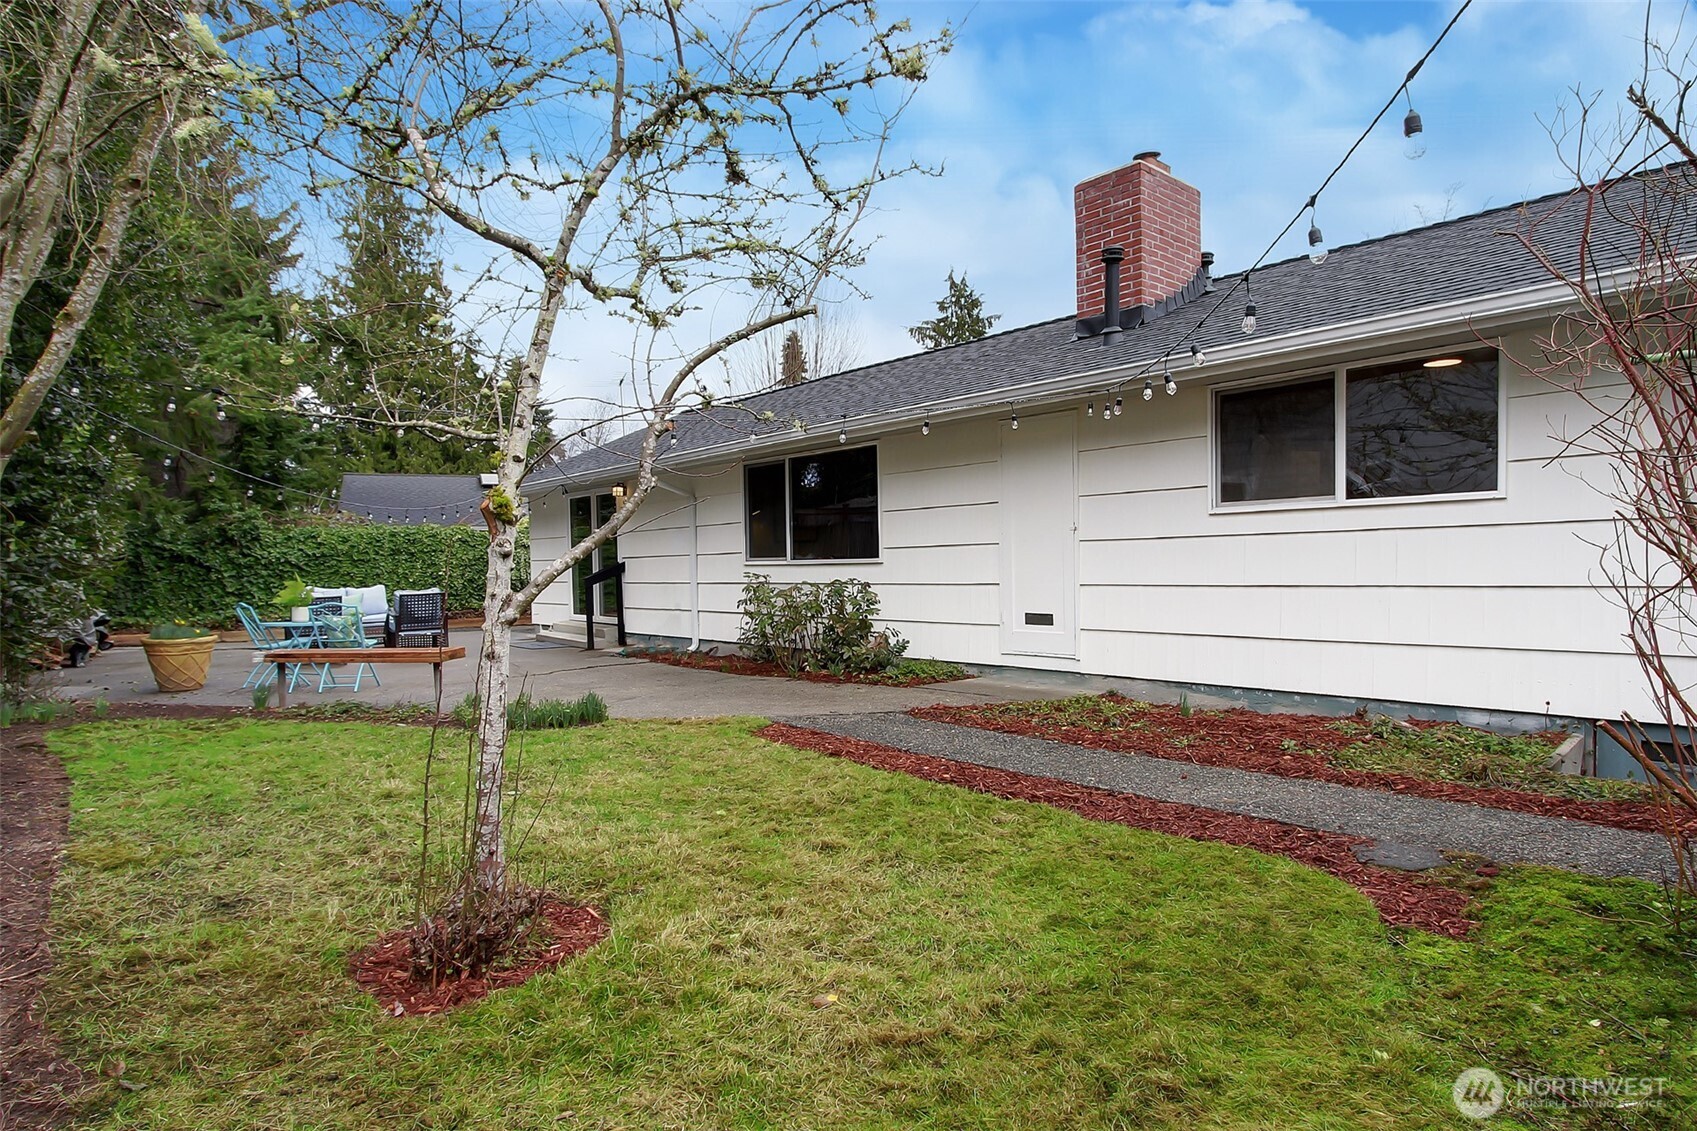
{"x": 999, "y": 965}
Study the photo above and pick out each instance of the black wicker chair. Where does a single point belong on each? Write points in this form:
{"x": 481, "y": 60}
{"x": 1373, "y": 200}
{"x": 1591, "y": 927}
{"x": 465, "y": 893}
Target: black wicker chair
{"x": 419, "y": 620}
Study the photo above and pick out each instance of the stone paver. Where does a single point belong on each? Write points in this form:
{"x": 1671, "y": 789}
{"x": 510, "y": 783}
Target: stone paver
{"x": 1518, "y": 838}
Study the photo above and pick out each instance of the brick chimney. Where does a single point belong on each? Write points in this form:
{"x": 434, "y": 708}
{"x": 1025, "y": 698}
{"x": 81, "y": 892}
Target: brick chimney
{"x": 1155, "y": 217}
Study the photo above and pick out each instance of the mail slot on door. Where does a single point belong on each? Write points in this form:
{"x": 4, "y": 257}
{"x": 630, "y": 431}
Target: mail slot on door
{"x": 1040, "y": 618}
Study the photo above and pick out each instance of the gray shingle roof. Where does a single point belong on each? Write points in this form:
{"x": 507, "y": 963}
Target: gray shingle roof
{"x": 1471, "y": 257}
{"x": 442, "y": 500}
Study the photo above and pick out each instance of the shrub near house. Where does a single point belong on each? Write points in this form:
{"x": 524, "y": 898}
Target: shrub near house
{"x": 816, "y": 626}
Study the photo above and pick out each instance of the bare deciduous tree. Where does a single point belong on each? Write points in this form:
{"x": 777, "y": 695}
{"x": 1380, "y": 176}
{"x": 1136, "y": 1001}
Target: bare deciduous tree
{"x": 1624, "y": 244}
{"x": 622, "y": 155}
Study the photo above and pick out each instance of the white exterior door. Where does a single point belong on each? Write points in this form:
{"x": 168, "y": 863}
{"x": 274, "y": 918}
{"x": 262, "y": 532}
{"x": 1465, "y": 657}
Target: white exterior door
{"x": 1039, "y": 505}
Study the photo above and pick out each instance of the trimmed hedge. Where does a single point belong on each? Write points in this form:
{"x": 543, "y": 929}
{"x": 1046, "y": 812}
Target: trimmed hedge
{"x": 199, "y": 572}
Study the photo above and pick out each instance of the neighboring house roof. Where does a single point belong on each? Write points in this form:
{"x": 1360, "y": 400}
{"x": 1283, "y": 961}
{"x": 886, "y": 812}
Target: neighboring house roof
{"x": 1454, "y": 262}
{"x": 414, "y": 500}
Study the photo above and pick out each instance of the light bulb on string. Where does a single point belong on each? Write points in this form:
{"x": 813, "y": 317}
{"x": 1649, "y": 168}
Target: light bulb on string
{"x": 1014, "y": 422}
{"x": 1090, "y": 408}
{"x": 1119, "y": 404}
{"x": 250, "y": 492}
{"x": 168, "y": 461}
{"x": 925, "y": 428}
{"x": 1172, "y": 386}
{"x": 222, "y": 415}
{"x": 1197, "y": 359}
{"x": 1413, "y": 133}
{"x": 212, "y": 477}
{"x": 842, "y": 436}
{"x": 1249, "y": 318}
{"x": 171, "y": 406}
{"x": 1149, "y": 388}
{"x": 1316, "y": 242}
{"x": 111, "y": 437}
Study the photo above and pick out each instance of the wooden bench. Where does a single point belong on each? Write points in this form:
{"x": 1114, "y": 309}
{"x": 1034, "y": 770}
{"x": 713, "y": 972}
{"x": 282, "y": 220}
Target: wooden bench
{"x": 435, "y": 657}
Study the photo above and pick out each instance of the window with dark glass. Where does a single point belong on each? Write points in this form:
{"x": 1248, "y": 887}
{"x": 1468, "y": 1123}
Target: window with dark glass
{"x": 764, "y": 496}
{"x": 580, "y": 572}
{"x": 814, "y": 507}
{"x": 1278, "y": 443}
{"x": 1415, "y": 429}
{"x": 834, "y": 505}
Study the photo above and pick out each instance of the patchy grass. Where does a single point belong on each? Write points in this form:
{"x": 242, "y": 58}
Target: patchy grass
{"x": 1440, "y": 752}
{"x": 994, "y": 964}
{"x": 1450, "y": 752}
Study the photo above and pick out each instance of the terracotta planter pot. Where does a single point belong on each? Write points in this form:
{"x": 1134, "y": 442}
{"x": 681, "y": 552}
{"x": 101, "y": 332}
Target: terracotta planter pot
{"x": 180, "y": 665}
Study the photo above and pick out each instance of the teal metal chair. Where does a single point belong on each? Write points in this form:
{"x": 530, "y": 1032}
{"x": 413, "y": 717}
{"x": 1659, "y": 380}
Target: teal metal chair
{"x": 344, "y": 628}
{"x": 268, "y": 636}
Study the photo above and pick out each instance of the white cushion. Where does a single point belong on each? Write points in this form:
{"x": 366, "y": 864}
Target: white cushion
{"x": 373, "y": 601}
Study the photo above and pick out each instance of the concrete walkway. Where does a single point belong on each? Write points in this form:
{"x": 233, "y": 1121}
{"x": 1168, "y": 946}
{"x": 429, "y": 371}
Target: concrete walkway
{"x": 1512, "y": 838}
{"x": 632, "y": 687}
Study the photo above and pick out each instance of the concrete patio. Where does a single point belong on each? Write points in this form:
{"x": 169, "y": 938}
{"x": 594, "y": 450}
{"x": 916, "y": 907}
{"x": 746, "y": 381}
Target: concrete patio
{"x": 632, "y": 687}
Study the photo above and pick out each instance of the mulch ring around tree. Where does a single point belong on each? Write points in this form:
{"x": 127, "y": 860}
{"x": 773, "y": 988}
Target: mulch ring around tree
{"x": 1292, "y": 746}
{"x": 385, "y": 967}
{"x": 742, "y": 665}
{"x": 1402, "y": 899}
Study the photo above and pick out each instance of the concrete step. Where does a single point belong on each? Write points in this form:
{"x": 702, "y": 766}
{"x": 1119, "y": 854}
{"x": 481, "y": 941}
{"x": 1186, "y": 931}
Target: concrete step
{"x": 606, "y": 635}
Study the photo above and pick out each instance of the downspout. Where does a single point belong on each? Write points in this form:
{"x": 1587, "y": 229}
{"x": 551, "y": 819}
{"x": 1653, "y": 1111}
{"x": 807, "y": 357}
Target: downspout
{"x": 694, "y": 563}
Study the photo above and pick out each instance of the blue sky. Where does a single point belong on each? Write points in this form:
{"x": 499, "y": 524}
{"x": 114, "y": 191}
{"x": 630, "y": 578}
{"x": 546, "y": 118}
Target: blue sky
{"x": 1251, "y": 101}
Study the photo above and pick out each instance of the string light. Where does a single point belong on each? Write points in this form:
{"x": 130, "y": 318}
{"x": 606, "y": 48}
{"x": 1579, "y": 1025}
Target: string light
{"x": 1172, "y": 386}
{"x": 171, "y": 406}
{"x": 1413, "y": 132}
{"x": 925, "y": 428}
{"x": 1149, "y": 388}
{"x": 1119, "y": 404}
{"x": 1090, "y": 408}
{"x": 1316, "y": 242}
{"x": 1014, "y": 422}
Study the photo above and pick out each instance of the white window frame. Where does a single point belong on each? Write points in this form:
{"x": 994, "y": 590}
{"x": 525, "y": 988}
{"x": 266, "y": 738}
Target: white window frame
{"x": 789, "y": 542}
{"x": 1340, "y": 454}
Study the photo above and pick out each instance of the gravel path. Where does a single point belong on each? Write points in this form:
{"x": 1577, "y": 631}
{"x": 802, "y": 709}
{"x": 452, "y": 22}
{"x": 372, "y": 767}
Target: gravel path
{"x": 1511, "y": 838}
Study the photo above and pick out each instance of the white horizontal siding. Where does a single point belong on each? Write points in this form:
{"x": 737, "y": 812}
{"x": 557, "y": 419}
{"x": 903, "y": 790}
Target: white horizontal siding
{"x": 1489, "y": 603}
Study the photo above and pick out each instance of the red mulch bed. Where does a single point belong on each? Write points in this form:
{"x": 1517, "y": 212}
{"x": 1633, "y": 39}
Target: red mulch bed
{"x": 1248, "y": 740}
{"x": 385, "y": 967}
{"x": 1403, "y": 899}
{"x": 742, "y": 665}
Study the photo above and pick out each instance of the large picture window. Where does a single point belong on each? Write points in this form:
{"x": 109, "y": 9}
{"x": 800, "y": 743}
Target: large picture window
{"x": 820, "y": 507}
{"x": 1409, "y": 429}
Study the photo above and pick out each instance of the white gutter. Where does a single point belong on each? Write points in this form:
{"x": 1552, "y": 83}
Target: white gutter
{"x": 1493, "y": 309}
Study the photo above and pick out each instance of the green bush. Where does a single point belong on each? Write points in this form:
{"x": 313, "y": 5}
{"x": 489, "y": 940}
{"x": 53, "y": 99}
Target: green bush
{"x": 816, "y": 626}
{"x": 199, "y": 571}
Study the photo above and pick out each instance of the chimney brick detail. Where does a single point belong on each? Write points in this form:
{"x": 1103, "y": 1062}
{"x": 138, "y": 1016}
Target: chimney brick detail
{"x": 1155, "y": 216}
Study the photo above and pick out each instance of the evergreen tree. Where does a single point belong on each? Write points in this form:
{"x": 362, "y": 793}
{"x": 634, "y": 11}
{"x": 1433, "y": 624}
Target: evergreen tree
{"x": 960, "y": 317}
{"x": 389, "y": 347}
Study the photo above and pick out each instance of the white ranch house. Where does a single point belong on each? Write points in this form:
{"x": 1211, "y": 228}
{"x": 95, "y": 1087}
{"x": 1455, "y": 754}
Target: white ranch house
{"x": 1365, "y": 499}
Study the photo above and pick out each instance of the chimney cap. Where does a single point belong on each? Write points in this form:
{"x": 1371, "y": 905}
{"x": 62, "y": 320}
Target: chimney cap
{"x": 1148, "y": 155}
{"x": 1113, "y": 254}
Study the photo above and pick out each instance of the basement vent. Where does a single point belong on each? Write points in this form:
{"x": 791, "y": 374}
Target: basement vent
{"x": 1040, "y": 618}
